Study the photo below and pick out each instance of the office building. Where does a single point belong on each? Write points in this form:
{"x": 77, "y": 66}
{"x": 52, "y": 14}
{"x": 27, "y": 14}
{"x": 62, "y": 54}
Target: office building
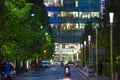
{"x": 68, "y": 19}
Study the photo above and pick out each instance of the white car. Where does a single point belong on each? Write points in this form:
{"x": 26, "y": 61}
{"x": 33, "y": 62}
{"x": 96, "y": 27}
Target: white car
{"x": 57, "y": 63}
{"x": 46, "y": 64}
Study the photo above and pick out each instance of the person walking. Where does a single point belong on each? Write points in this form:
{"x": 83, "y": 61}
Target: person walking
{"x": 62, "y": 64}
{"x": 100, "y": 68}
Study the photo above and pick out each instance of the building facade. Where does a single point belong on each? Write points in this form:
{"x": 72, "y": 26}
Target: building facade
{"x": 68, "y": 19}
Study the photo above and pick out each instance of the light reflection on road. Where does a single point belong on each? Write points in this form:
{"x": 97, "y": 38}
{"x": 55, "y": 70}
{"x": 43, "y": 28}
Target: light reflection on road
{"x": 65, "y": 79}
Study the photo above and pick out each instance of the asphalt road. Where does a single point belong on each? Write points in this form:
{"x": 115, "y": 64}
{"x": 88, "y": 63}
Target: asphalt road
{"x": 53, "y": 73}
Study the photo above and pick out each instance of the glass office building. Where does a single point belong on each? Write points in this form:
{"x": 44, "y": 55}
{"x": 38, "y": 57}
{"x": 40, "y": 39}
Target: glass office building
{"x": 68, "y": 19}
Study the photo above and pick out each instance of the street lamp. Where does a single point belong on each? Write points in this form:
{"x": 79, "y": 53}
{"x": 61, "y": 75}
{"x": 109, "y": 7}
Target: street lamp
{"x": 77, "y": 53}
{"x": 91, "y": 71}
{"x": 81, "y": 46}
{"x": 84, "y": 52}
{"x": 89, "y": 39}
{"x": 96, "y": 30}
{"x": 111, "y": 14}
{"x": 44, "y": 51}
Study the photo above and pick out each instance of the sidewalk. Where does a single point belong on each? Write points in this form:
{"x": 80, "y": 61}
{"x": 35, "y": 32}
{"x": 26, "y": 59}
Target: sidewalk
{"x": 85, "y": 74}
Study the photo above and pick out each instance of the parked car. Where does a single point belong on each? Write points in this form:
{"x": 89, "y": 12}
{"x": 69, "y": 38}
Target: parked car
{"x": 7, "y": 71}
{"x": 46, "y": 64}
{"x": 57, "y": 63}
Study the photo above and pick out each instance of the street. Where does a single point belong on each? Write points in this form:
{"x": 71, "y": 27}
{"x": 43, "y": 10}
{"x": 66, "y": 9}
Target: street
{"x": 53, "y": 73}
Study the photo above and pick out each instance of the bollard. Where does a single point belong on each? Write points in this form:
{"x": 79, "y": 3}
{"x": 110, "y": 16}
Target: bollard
{"x": 85, "y": 69}
{"x": 116, "y": 76}
{"x": 91, "y": 71}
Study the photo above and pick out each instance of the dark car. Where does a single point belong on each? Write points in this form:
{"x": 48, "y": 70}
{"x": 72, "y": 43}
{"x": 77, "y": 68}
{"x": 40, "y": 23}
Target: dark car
{"x": 7, "y": 71}
{"x": 70, "y": 63}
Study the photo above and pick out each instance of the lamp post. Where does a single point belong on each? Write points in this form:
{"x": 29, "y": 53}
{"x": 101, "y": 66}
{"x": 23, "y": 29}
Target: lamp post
{"x": 89, "y": 39}
{"x": 77, "y": 53}
{"x": 82, "y": 56}
{"x": 96, "y": 30}
{"x": 84, "y": 52}
{"x": 60, "y": 45}
{"x": 111, "y": 14}
{"x": 91, "y": 71}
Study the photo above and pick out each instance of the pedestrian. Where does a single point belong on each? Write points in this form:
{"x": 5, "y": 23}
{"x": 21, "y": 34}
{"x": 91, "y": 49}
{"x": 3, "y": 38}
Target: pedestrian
{"x": 100, "y": 68}
{"x": 62, "y": 64}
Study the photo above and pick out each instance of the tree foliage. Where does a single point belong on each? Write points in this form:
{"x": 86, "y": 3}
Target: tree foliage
{"x": 20, "y": 34}
{"x": 89, "y": 30}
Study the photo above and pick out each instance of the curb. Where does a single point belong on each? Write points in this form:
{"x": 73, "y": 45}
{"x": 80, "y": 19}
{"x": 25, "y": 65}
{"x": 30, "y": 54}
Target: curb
{"x": 83, "y": 75}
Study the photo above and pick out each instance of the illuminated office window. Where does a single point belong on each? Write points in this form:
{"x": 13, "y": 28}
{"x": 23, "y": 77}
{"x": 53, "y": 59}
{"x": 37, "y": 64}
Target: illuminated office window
{"x": 61, "y": 2}
{"x": 56, "y": 3}
{"x": 51, "y": 2}
{"x": 94, "y": 14}
{"x": 69, "y": 14}
{"x": 50, "y": 14}
{"x": 82, "y": 25}
{"x": 77, "y": 26}
{"x": 88, "y": 14}
{"x": 76, "y": 3}
{"x": 84, "y": 14}
{"x": 80, "y": 14}
{"x": 63, "y": 14}
{"x": 75, "y": 14}
{"x": 69, "y": 26}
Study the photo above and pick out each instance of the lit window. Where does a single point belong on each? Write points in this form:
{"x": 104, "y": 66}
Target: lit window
{"x": 76, "y": 25}
{"x": 94, "y": 14}
{"x": 50, "y": 14}
{"x": 82, "y": 25}
{"x": 80, "y": 14}
{"x": 56, "y": 3}
{"x": 75, "y": 14}
{"x": 76, "y": 3}
{"x": 63, "y": 14}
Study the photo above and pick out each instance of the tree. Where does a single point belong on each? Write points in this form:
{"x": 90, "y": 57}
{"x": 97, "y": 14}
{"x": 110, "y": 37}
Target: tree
{"x": 46, "y": 42}
{"x": 88, "y": 31}
{"x": 15, "y": 32}
{"x": 2, "y": 16}
{"x": 21, "y": 36}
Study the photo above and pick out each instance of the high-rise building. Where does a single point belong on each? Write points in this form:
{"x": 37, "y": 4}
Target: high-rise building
{"x": 68, "y": 19}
